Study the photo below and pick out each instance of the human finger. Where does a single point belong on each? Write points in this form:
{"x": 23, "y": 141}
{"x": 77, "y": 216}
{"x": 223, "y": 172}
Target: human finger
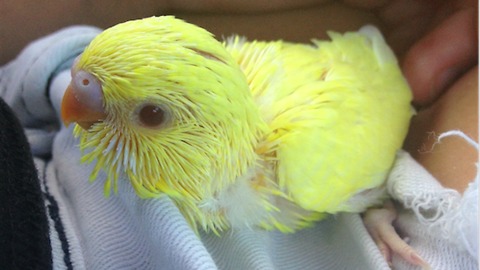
{"x": 438, "y": 59}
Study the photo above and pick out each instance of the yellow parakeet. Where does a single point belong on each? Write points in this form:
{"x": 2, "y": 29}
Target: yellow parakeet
{"x": 240, "y": 133}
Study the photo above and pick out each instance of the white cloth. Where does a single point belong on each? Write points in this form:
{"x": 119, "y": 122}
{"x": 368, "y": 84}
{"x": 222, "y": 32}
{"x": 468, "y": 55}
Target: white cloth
{"x": 89, "y": 231}
{"x": 435, "y": 219}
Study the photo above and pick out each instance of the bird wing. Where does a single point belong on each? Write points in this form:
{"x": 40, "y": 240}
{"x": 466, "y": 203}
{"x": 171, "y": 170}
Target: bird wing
{"x": 338, "y": 111}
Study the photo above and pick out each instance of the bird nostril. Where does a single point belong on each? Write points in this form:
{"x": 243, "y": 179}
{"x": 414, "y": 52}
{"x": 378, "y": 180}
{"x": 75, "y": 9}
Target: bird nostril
{"x": 77, "y": 108}
{"x": 88, "y": 90}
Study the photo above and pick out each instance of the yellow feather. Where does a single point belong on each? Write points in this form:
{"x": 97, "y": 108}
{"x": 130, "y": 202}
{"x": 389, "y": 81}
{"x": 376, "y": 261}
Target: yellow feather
{"x": 338, "y": 115}
{"x": 269, "y": 134}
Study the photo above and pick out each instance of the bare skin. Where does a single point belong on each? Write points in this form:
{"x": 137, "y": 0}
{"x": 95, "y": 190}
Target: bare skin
{"x": 436, "y": 42}
{"x": 442, "y": 69}
{"x": 451, "y": 161}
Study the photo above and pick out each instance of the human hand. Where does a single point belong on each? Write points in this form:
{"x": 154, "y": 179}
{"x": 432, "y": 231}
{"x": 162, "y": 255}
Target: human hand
{"x": 442, "y": 68}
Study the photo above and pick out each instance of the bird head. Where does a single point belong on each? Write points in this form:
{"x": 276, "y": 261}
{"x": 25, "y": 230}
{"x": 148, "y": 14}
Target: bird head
{"x": 161, "y": 101}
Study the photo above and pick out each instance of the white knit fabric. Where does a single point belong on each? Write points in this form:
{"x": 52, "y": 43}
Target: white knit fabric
{"x": 435, "y": 219}
{"x": 126, "y": 232}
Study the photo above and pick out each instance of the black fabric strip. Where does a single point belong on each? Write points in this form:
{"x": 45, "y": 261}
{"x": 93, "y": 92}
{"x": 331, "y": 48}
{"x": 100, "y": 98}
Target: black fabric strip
{"x": 54, "y": 213}
{"x": 24, "y": 230}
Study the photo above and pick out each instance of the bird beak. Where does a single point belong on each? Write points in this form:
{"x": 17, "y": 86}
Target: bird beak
{"x": 80, "y": 110}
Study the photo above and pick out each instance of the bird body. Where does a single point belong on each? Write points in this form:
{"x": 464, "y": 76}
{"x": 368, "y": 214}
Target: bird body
{"x": 240, "y": 133}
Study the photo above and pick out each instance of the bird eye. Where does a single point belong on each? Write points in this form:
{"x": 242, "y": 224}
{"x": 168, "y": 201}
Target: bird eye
{"x": 150, "y": 115}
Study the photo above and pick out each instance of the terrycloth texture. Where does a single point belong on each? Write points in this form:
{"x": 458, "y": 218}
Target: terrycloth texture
{"x": 89, "y": 231}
